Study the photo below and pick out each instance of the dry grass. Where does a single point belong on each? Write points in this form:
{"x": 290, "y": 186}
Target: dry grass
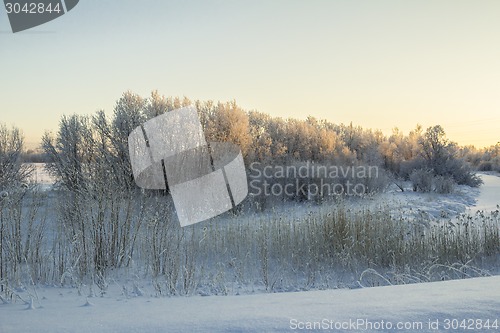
{"x": 88, "y": 242}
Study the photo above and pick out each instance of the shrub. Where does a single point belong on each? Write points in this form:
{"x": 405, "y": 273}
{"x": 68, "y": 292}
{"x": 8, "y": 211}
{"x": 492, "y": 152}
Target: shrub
{"x": 485, "y": 166}
{"x": 407, "y": 167}
{"x": 461, "y": 173}
{"x": 422, "y": 180}
{"x": 443, "y": 184}
{"x": 496, "y": 164}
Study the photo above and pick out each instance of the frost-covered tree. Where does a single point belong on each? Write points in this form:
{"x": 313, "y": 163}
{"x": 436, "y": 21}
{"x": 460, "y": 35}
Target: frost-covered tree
{"x": 260, "y": 148}
{"x": 69, "y": 152}
{"x": 441, "y": 156}
{"x": 436, "y": 148}
{"x": 12, "y": 171}
{"x": 157, "y": 105}
{"x": 228, "y": 122}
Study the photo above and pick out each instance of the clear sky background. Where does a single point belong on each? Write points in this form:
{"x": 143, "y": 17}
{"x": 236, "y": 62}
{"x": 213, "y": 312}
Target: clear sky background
{"x": 379, "y": 64}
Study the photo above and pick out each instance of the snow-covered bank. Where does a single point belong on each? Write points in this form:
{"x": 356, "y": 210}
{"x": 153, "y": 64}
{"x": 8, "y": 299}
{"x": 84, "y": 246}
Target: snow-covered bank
{"x": 410, "y": 305}
{"x": 434, "y": 206}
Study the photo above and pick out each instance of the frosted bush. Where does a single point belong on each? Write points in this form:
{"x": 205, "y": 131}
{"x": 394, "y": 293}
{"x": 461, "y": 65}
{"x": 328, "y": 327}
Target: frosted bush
{"x": 422, "y": 180}
{"x": 485, "y": 166}
{"x": 443, "y": 185}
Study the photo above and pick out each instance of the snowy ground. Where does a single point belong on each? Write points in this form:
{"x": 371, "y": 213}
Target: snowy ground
{"x": 41, "y": 177}
{"x": 430, "y": 307}
{"x": 381, "y": 308}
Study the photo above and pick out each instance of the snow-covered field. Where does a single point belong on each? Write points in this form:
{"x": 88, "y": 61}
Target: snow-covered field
{"x": 448, "y": 306}
{"x": 411, "y": 308}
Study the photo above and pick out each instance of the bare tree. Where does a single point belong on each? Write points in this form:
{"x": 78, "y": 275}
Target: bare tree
{"x": 12, "y": 176}
{"x": 441, "y": 156}
{"x": 12, "y": 170}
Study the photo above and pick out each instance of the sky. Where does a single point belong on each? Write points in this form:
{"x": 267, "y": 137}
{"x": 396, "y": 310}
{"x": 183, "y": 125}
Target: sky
{"x": 379, "y": 64}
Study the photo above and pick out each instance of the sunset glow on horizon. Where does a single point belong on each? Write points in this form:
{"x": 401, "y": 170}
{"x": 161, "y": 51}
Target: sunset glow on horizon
{"x": 377, "y": 64}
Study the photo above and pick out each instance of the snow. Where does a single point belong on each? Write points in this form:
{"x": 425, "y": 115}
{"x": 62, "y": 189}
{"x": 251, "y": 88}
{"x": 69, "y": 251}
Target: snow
{"x": 58, "y": 309}
{"x": 489, "y": 197}
{"x": 41, "y": 177}
{"x": 431, "y": 206}
{"x": 434, "y": 206}
{"x": 63, "y": 310}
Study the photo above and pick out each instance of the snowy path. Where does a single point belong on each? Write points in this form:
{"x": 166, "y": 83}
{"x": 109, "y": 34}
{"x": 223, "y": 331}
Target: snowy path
{"x": 409, "y": 305}
{"x": 489, "y": 196}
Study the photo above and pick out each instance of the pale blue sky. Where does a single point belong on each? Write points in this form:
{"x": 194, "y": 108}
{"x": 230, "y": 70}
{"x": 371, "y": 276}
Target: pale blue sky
{"x": 379, "y": 64}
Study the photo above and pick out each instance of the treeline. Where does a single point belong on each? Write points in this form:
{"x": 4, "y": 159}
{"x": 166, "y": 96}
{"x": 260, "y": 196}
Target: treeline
{"x": 84, "y": 143}
{"x": 421, "y": 155}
